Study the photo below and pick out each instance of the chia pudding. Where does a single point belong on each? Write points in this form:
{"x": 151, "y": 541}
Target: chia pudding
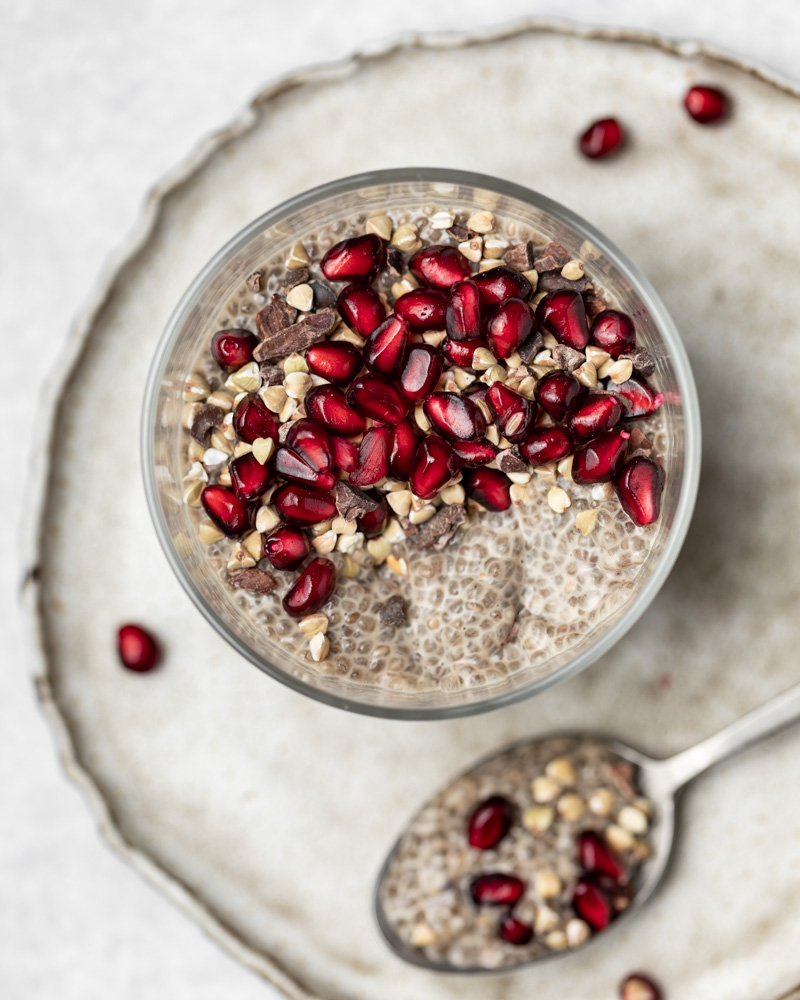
{"x": 425, "y": 450}
{"x": 532, "y": 852}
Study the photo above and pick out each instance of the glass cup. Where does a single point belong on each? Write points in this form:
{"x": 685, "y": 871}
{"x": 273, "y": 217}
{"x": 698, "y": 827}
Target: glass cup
{"x": 354, "y": 199}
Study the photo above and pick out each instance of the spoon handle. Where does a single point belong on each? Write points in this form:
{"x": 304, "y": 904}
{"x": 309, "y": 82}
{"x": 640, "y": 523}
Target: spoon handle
{"x": 752, "y": 728}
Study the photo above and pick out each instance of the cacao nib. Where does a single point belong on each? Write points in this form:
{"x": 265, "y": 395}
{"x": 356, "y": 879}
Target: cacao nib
{"x": 555, "y": 282}
{"x": 460, "y": 234}
{"x": 254, "y": 281}
{"x": 437, "y": 532}
{"x": 567, "y": 357}
{"x": 520, "y": 257}
{"x": 275, "y": 316}
{"x": 205, "y": 420}
{"x": 508, "y": 461}
{"x": 257, "y": 581}
{"x": 551, "y": 258}
{"x": 594, "y": 305}
{"x": 529, "y": 348}
{"x": 324, "y": 296}
{"x": 392, "y": 612}
{"x": 351, "y": 502}
{"x": 296, "y": 337}
{"x": 394, "y": 262}
{"x": 297, "y": 277}
{"x": 271, "y": 374}
{"x": 642, "y": 360}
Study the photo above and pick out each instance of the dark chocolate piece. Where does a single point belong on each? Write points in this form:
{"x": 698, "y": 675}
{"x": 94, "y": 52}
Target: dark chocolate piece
{"x": 438, "y": 531}
{"x": 529, "y": 348}
{"x": 642, "y": 360}
{"x": 296, "y": 337}
{"x": 394, "y": 262}
{"x": 324, "y": 296}
{"x": 351, "y": 502}
{"x": 271, "y": 374}
{"x": 555, "y": 282}
{"x": 508, "y": 461}
{"x": 594, "y": 305}
{"x": 520, "y": 257}
{"x": 460, "y": 234}
{"x": 257, "y": 581}
{"x": 392, "y": 612}
{"x": 551, "y": 258}
{"x": 296, "y": 277}
{"x": 567, "y": 357}
{"x": 205, "y": 420}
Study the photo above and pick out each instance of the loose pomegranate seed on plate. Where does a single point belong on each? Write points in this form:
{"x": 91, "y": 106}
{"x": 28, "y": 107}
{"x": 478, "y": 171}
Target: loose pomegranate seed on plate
{"x": 637, "y": 986}
{"x": 361, "y": 308}
{"x": 613, "y": 331}
{"x": 249, "y": 478}
{"x": 327, "y": 405}
{"x": 404, "y": 443}
{"x": 423, "y": 309}
{"x": 230, "y": 514}
{"x": 472, "y": 454}
{"x": 233, "y": 349}
{"x": 515, "y": 931}
{"x": 515, "y": 414}
{"x": 464, "y": 315}
{"x": 292, "y": 466}
{"x": 374, "y": 397}
{"x": 357, "y": 259}
{"x": 312, "y": 589}
{"x": 373, "y": 457}
{"x": 641, "y": 396}
{"x": 345, "y": 454}
{"x": 253, "y": 420}
{"x": 596, "y": 413}
{"x": 455, "y": 416}
{"x": 500, "y": 284}
{"x": 434, "y": 465}
{"x": 489, "y": 823}
{"x": 421, "y": 371}
{"x": 638, "y": 486}
{"x": 547, "y": 444}
{"x": 302, "y": 505}
{"x": 439, "y": 266}
{"x": 489, "y": 487}
{"x": 564, "y": 315}
{"x": 373, "y": 523}
{"x": 595, "y": 856}
{"x": 386, "y": 347}
{"x": 335, "y": 360}
{"x": 460, "y": 352}
{"x": 706, "y": 104}
{"x": 592, "y": 905}
{"x": 138, "y": 650}
{"x": 557, "y": 393}
{"x": 496, "y": 889}
{"x": 286, "y": 547}
{"x": 509, "y": 326}
{"x": 309, "y": 439}
{"x": 601, "y": 139}
{"x": 601, "y": 459}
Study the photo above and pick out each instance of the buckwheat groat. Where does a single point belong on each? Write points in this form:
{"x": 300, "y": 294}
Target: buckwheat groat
{"x": 433, "y": 407}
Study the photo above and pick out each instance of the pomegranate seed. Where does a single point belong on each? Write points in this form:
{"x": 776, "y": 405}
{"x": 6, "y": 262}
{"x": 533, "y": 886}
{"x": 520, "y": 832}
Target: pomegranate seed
{"x": 464, "y": 316}
{"x": 515, "y": 414}
{"x": 510, "y": 325}
{"x": 641, "y": 396}
{"x": 477, "y": 392}
{"x": 230, "y": 514}
{"x": 614, "y": 332}
{"x": 602, "y": 459}
{"x": 357, "y": 259}
{"x": 496, "y": 889}
{"x": 249, "y": 477}
{"x": 309, "y": 439}
{"x": 455, "y": 416}
{"x": 423, "y": 309}
{"x": 374, "y": 397}
{"x": 472, "y": 454}
{"x": 328, "y": 406}
{"x": 373, "y": 523}
{"x": 312, "y": 589}
{"x": 286, "y": 547}
{"x": 460, "y": 353}
{"x": 515, "y": 931}
{"x": 564, "y": 315}
{"x": 596, "y": 414}
{"x": 345, "y": 454}
{"x": 439, "y": 266}
{"x": 592, "y": 905}
{"x": 595, "y": 856}
{"x": 253, "y": 420}
{"x": 601, "y": 138}
{"x": 233, "y": 348}
{"x": 638, "y": 987}
{"x": 290, "y": 465}
{"x": 386, "y": 347}
{"x": 361, "y": 308}
{"x": 421, "y": 371}
{"x": 373, "y": 457}
{"x": 639, "y": 487}
{"x": 557, "y": 393}
{"x": 500, "y": 284}
{"x": 138, "y": 650}
{"x": 434, "y": 465}
{"x": 706, "y": 104}
{"x": 335, "y": 360}
{"x": 490, "y": 487}
{"x": 547, "y": 444}
{"x": 302, "y": 505}
{"x": 404, "y": 444}
{"x": 489, "y": 822}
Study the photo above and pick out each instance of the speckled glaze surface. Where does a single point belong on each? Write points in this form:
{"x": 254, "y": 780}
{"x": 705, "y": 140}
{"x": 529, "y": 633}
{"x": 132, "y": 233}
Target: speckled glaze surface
{"x": 266, "y": 816}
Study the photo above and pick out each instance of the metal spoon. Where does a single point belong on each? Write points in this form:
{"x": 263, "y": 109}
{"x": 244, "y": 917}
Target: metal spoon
{"x": 660, "y": 781}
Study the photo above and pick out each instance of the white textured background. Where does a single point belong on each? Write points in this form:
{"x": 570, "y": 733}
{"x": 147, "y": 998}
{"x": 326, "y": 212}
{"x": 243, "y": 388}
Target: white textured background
{"x": 97, "y": 101}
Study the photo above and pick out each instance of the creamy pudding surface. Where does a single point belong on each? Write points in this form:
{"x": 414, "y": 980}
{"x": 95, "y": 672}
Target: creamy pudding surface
{"x": 491, "y": 511}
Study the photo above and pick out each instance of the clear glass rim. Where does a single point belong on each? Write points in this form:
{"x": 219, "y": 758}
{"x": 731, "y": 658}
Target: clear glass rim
{"x": 644, "y": 290}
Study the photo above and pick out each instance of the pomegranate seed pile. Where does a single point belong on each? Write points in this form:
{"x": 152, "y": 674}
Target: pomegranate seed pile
{"x": 533, "y": 852}
{"x": 390, "y": 392}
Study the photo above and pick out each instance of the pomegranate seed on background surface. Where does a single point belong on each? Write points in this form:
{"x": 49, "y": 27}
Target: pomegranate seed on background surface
{"x": 423, "y": 309}
{"x": 641, "y": 396}
{"x": 312, "y": 589}
{"x": 497, "y": 889}
{"x": 327, "y": 405}
{"x": 249, "y": 478}
{"x": 515, "y": 414}
{"x": 489, "y": 823}
{"x": 439, "y": 266}
{"x": 509, "y": 326}
{"x": 464, "y": 314}
{"x": 601, "y": 139}
{"x": 386, "y": 347}
{"x": 374, "y": 396}
{"x": 601, "y": 459}
{"x": 286, "y": 547}
{"x": 592, "y": 905}
{"x": 638, "y": 486}
{"x": 434, "y": 465}
{"x": 303, "y": 505}
{"x": 230, "y": 514}
{"x": 357, "y": 259}
{"x": 455, "y": 416}
{"x": 471, "y": 454}
{"x": 373, "y": 457}
{"x": 292, "y": 466}
{"x": 373, "y": 523}
{"x": 595, "y": 856}
{"x": 337, "y": 361}
{"x": 500, "y": 284}
{"x": 404, "y": 443}
{"x": 421, "y": 371}
{"x": 489, "y": 487}
{"x": 361, "y": 308}
{"x": 515, "y": 931}
{"x": 138, "y": 650}
{"x": 558, "y": 392}
{"x": 613, "y": 331}
{"x": 253, "y": 420}
{"x": 706, "y": 104}
{"x": 345, "y": 454}
{"x": 309, "y": 439}
{"x": 637, "y": 986}
{"x": 547, "y": 444}
{"x": 460, "y": 352}
{"x": 233, "y": 349}
{"x": 564, "y": 315}
{"x": 596, "y": 413}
